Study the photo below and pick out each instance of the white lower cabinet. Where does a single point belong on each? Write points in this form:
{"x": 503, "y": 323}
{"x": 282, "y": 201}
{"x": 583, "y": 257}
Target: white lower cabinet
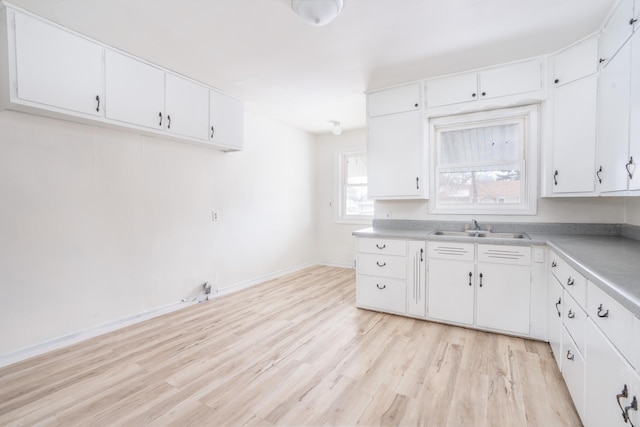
{"x": 391, "y": 276}
{"x": 451, "y": 290}
{"x": 612, "y": 387}
{"x": 490, "y": 291}
{"x": 593, "y": 343}
{"x": 573, "y": 372}
{"x": 503, "y": 297}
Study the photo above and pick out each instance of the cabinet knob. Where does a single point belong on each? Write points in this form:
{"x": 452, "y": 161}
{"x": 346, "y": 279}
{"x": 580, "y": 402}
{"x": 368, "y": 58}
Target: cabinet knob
{"x": 556, "y": 81}
{"x": 554, "y": 264}
{"x": 602, "y": 60}
{"x": 473, "y": 95}
{"x": 484, "y": 93}
{"x": 415, "y": 105}
{"x": 632, "y": 21}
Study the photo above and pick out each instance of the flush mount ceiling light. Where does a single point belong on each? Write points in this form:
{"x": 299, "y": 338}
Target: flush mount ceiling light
{"x": 337, "y": 127}
{"x": 317, "y": 12}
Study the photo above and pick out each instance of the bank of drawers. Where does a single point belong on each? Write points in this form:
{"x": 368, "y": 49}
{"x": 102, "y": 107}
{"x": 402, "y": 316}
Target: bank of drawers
{"x": 382, "y": 273}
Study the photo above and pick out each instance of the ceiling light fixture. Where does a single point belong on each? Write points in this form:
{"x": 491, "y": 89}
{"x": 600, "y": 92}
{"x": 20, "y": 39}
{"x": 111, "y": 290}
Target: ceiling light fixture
{"x": 317, "y": 12}
{"x": 337, "y": 127}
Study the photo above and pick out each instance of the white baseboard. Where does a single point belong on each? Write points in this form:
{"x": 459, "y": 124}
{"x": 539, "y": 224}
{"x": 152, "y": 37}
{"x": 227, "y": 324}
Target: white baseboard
{"x": 253, "y": 282}
{"x": 57, "y": 343}
{"x": 336, "y": 264}
{"x": 67, "y": 340}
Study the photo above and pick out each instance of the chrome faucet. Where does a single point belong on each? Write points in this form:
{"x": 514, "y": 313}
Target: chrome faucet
{"x": 476, "y": 226}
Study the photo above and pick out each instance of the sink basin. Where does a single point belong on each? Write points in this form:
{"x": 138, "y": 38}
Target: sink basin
{"x": 480, "y": 233}
{"x": 455, "y": 233}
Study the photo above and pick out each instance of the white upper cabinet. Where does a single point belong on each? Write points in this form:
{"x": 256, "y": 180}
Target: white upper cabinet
{"x": 396, "y": 159}
{"x": 452, "y": 90}
{"x": 574, "y": 136}
{"x": 226, "y": 121}
{"x": 187, "y": 107}
{"x": 617, "y": 31}
{"x": 613, "y": 122}
{"x": 507, "y": 80}
{"x": 574, "y": 101}
{"x": 135, "y": 91}
{"x": 634, "y": 132}
{"x": 578, "y": 61}
{"x": 52, "y": 71}
{"x": 514, "y": 79}
{"x": 56, "y": 68}
{"x": 394, "y": 100}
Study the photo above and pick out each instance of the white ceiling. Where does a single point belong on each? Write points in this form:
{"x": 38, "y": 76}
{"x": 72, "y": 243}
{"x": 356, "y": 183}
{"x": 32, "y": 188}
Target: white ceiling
{"x": 285, "y": 69}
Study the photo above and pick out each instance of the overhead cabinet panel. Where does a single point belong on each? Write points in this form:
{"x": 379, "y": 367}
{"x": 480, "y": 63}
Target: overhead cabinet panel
{"x": 394, "y": 100}
{"x": 576, "y": 62}
{"x": 135, "y": 91}
{"x": 511, "y": 79}
{"x": 57, "y": 68}
{"x": 226, "y": 122}
{"x": 452, "y": 90}
{"x": 187, "y": 107}
{"x": 617, "y": 31}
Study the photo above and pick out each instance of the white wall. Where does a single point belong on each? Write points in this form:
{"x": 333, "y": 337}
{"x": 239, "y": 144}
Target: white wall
{"x": 608, "y": 210}
{"x": 632, "y": 211}
{"x": 336, "y": 245}
{"x": 99, "y": 224}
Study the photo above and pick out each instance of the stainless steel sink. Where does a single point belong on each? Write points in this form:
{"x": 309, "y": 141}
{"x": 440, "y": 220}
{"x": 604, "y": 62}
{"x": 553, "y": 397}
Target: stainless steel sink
{"x": 480, "y": 233}
{"x": 455, "y": 233}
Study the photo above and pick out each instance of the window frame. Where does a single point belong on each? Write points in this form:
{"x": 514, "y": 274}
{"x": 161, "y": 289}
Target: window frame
{"x": 341, "y": 185}
{"x": 529, "y": 162}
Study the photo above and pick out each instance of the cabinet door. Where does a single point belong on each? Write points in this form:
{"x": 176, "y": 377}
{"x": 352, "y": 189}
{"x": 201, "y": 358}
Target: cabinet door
{"x": 226, "y": 121}
{"x": 396, "y": 156}
{"x": 617, "y": 31}
{"x": 395, "y": 100}
{"x": 416, "y": 280}
{"x": 452, "y": 90}
{"x": 451, "y": 288}
{"x": 613, "y": 121}
{"x": 57, "y": 68}
{"x": 380, "y": 293}
{"x": 135, "y": 91}
{"x": 608, "y": 376}
{"x": 575, "y": 62}
{"x": 574, "y": 136}
{"x": 187, "y": 108}
{"x": 512, "y": 79}
{"x": 503, "y": 298}
{"x": 634, "y": 133}
{"x": 573, "y": 372}
{"x": 554, "y": 317}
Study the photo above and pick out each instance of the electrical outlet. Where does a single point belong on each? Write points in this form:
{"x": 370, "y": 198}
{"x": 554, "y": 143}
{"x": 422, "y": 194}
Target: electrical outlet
{"x": 214, "y": 216}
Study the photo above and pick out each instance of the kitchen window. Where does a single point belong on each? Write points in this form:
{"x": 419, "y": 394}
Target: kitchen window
{"x": 485, "y": 162}
{"x": 354, "y": 206}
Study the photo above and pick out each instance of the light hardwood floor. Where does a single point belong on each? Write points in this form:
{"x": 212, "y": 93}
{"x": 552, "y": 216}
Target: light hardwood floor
{"x": 292, "y": 351}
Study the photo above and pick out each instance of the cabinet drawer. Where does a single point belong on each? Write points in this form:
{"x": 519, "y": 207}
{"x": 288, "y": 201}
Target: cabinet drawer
{"x": 572, "y": 281}
{"x": 381, "y": 294}
{"x": 382, "y": 246}
{"x": 575, "y": 321}
{"x": 573, "y": 371}
{"x": 382, "y": 265}
{"x": 449, "y": 250}
{"x": 613, "y": 319}
{"x": 498, "y": 254}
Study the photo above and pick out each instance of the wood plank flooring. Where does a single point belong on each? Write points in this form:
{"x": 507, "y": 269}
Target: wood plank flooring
{"x": 292, "y": 351}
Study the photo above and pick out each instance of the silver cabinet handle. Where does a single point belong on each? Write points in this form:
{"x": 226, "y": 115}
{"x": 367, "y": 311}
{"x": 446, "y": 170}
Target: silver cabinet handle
{"x": 571, "y": 314}
{"x": 570, "y": 281}
{"x": 601, "y": 314}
